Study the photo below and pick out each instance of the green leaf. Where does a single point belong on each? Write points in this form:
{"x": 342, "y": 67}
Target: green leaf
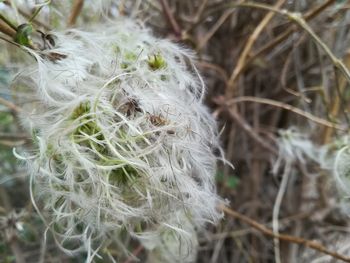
{"x": 22, "y": 36}
{"x": 232, "y": 181}
{"x": 3, "y": 248}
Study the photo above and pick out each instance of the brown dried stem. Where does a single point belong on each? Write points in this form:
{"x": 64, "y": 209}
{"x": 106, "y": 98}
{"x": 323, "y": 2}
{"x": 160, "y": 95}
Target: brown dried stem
{"x": 8, "y": 22}
{"x": 244, "y": 125}
{"x": 253, "y": 37}
{"x": 214, "y": 28}
{"x": 4, "y": 28}
{"x": 29, "y": 16}
{"x": 283, "y": 36}
{"x": 170, "y": 17}
{"x": 283, "y": 237}
{"x": 337, "y": 103}
{"x": 288, "y": 107}
{"x": 300, "y": 21}
{"x": 76, "y": 10}
{"x": 9, "y": 105}
{"x": 135, "y": 253}
{"x": 7, "y": 27}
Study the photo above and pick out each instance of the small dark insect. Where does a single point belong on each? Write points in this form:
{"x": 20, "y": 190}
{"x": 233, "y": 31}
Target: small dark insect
{"x": 130, "y": 107}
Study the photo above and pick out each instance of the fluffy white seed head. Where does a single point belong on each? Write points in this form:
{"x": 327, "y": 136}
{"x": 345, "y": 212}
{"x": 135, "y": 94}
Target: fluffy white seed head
{"x": 124, "y": 142}
{"x": 333, "y": 157}
{"x": 295, "y": 145}
{"x": 342, "y": 169}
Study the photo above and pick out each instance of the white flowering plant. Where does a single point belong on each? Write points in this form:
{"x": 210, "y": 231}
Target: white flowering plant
{"x": 123, "y": 142}
{"x": 104, "y": 104}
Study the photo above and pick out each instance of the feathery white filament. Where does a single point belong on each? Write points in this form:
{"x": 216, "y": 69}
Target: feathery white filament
{"x": 124, "y": 141}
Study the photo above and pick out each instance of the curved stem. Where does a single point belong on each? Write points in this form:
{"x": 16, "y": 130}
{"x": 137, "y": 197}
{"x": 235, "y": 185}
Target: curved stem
{"x": 287, "y": 238}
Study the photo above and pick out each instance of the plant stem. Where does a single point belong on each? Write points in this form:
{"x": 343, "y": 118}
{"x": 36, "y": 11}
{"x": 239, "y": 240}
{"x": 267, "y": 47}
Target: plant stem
{"x": 300, "y": 21}
{"x": 171, "y": 19}
{"x": 288, "y": 107}
{"x": 249, "y": 44}
{"x": 76, "y": 10}
{"x": 288, "y": 238}
{"x": 8, "y": 22}
{"x": 6, "y": 29}
{"x": 9, "y": 104}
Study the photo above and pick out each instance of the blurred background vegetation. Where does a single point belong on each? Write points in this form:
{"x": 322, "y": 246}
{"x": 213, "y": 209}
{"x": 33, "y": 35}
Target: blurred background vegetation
{"x": 264, "y": 73}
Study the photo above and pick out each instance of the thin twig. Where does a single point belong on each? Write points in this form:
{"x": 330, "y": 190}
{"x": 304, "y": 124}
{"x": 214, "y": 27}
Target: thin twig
{"x": 37, "y": 11}
{"x": 280, "y": 38}
{"x": 200, "y": 10}
{"x": 276, "y": 209}
{"x": 10, "y": 105}
{"x": 76, "y": 10}
{"x": 135, "y": 253}
{"x": 13, "y": 136}
{"x": 171, "y": 19}
{"x": 219, "y": 70}
{"x": 288, "y": 107}
{"x": 285, "y": 70}
{"x": 8, "y": 22}
{"x": 300, "y": 21}
{"x": 214, "y": 28}
{"x": 7, "y": 30}
{"x": 28, "y": 16}
{"x": 17, "y": 251}
{"x": 11, "y": 143}
{"x": 338, "y": 101}
{"x": 248, "y": 46}
{"x": 244, "y": 125}
{"x": 283, "y": 36}
{"x": 308, "y": 16}
{"x": 288, "y": 238}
